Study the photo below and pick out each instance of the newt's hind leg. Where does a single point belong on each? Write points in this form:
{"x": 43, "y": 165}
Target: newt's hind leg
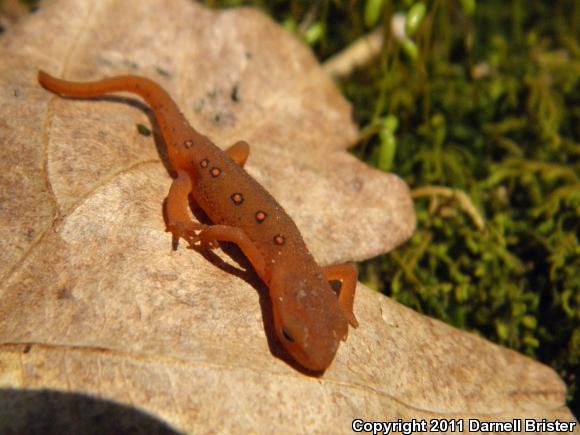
{"x": 210, "y": 236}
{"x": 179, "y": 222}
{"x": 239, "y": 152}
{"x": 347, "y": 274}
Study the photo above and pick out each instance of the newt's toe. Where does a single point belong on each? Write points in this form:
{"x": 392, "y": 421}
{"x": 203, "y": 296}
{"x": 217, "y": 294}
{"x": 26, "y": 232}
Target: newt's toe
{"x": 181, "y": 231}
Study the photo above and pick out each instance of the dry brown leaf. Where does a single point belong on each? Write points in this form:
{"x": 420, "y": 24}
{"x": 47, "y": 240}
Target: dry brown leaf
{"x": 92, "y": 298}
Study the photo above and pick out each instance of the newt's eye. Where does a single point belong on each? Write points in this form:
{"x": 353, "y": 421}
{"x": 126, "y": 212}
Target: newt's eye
{"x": 287, "y": 336}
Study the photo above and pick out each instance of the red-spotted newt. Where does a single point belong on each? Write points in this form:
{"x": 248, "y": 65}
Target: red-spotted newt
{"x": 310, "y": 319}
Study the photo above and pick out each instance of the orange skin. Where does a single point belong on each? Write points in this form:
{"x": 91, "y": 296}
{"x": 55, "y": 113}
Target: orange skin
{"x": 309, "y": 318}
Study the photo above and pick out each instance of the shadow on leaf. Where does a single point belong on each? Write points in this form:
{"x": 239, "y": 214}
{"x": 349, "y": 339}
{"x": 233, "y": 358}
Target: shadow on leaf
{"x": 49, "y": 412}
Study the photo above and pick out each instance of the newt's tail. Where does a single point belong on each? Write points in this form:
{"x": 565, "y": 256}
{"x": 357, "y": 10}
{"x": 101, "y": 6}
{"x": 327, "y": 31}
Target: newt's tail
{"x": 163, "y": 106}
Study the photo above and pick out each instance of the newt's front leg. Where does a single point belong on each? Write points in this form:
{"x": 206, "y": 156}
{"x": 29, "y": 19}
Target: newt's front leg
{"x": 179, "y": 222}
{"x": 239, "y": 152}
{"x": 347, "y": 274}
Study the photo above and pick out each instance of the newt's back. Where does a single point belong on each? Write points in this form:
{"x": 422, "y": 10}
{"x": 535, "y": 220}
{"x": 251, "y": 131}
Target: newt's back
{"x": 230, "y": 196}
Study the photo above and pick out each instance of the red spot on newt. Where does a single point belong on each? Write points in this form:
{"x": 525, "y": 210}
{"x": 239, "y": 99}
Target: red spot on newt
{"x": 237, "y": 198}
{"x": 261, "y": 216}
{"x": 309, "y": 319}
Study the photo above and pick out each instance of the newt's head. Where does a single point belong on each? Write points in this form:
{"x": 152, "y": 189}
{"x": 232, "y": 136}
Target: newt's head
{"x": 308, "y": 320}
